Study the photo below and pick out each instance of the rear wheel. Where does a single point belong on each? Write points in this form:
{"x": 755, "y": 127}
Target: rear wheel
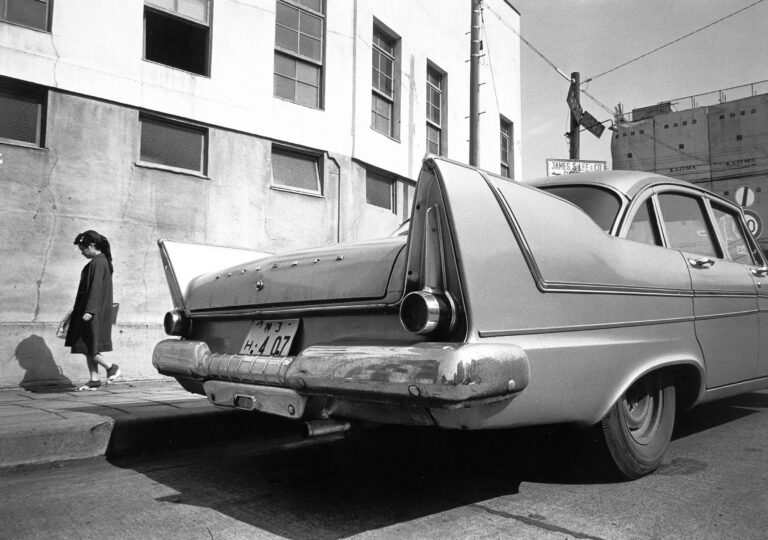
{"x": 638, "y": 428}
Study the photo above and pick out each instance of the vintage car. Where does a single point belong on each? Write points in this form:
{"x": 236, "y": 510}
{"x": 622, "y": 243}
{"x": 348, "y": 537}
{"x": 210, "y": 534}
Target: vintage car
{"x": 606, "y": 300}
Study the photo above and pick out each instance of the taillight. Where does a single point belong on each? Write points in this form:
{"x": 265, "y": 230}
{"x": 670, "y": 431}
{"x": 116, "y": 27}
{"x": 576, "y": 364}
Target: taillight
{"x": 425, "y": 312}
{"x": 176, "y": 323}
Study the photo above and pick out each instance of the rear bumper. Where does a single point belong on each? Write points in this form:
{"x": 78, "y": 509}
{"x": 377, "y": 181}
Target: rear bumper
{"x": 425, "y": 374}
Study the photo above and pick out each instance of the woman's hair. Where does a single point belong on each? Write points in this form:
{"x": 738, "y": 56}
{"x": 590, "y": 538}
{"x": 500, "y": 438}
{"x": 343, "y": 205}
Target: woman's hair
{"x": 100, "y": 242}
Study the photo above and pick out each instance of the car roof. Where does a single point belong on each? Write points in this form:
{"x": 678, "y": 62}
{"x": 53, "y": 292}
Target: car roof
{"x": 629, "y": 183}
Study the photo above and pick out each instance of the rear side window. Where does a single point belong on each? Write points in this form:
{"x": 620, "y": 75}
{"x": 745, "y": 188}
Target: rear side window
{"x": 599, "y": 204}
{"x": 685, "y": 224}
{"x": 732, "y": 235}
{"x": 642, "y": 229}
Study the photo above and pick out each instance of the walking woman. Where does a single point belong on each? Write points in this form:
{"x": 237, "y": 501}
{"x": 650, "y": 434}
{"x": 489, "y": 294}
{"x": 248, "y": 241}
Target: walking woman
{"x": 90, "y": 327}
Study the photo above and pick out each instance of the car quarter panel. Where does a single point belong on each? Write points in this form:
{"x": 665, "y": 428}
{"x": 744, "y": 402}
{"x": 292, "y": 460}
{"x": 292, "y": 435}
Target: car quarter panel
{"x": 591, "y": 311}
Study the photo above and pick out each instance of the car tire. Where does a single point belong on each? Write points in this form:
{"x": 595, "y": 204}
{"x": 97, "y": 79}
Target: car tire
{"x": 638, "y": 428}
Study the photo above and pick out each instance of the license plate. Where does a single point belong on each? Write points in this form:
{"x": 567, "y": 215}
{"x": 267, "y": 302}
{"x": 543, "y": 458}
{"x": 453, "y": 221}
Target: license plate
{"x": 270, "y": 338}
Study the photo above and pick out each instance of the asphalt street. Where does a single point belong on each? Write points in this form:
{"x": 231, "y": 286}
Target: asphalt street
{"x": 407, "y": 483}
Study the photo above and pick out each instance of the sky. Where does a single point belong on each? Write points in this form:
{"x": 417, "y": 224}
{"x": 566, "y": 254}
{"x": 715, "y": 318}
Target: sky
{"x": 594, "y": 36}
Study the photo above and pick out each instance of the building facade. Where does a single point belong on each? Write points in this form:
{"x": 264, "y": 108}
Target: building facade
{"x": 255, "y": 124}
{"x": 719, "y": 139}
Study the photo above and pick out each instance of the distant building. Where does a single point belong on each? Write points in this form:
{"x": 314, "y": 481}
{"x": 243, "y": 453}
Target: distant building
{"x": 719, "y": 139}
{"x": 259, "y": 124}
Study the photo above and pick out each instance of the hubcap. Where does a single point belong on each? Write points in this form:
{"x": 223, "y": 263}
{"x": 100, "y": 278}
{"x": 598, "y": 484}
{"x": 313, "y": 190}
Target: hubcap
{"x": 641, "y": 408}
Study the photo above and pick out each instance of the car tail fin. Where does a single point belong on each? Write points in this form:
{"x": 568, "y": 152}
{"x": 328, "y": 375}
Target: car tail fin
{"x": 432, "y": 304}
{"x": 184, "y": 261}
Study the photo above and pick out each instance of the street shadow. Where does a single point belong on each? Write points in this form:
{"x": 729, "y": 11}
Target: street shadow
{"x": 717, "y": 413}
{"x": 42, "y": 374}
{"x": 375, "y": 478}
{"x": 368, "y": 480}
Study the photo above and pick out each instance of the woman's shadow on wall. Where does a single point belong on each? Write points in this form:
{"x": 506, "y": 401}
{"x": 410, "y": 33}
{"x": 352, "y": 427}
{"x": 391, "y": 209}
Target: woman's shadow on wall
{"x": 42, "y": 374}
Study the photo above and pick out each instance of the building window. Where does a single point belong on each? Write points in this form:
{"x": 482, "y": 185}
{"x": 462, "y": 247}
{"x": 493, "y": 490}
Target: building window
{"x": 507, "y": 154}
{"x": 435, "y": 111}
{"x": 30, "y": 13}
{"x": 173, "y": 144}
{"x": 681, "y": 146}
{"x": 299, "y": 33}
{"x": 22, "y": 112}
{"x": 629, "y": 155}
{"x": 177, "y": 34}
{"x": 694, "y": 121}
{"x": 380, "y": 191}
{"x": 296, "y": 171}
{"x": 384, "y": 104}
{"x": 738, "y": 137}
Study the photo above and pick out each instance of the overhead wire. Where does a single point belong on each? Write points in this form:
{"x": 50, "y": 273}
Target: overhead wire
{"x": 672, "y": 42}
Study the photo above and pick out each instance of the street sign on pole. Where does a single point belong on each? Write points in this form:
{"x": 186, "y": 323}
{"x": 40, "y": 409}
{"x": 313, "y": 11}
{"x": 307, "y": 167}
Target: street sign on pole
{"x": 591, "y": 124}
{"x": 573, "y": 102}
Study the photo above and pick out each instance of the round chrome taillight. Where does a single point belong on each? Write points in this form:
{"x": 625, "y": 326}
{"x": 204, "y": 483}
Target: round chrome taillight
{"x": 424, "y": 312}
{"x": 175, "y": 323}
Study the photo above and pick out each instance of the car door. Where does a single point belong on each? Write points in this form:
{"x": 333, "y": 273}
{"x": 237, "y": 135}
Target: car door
{"x": 739, "y": 246}
{"x": 725, "y": 294}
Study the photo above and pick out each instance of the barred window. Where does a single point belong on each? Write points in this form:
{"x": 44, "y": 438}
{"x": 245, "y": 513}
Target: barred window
{"x": 173, "y": 144}
{"x": 299, "y": 36}
{"x": 22, "y": 112}
{"x": 296, "y": 171}
{"x": 380, "y": 191}
{"x": 30, "y": 13}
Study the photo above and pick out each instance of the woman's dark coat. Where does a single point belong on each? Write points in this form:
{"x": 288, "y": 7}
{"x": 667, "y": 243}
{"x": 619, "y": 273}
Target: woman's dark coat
{"x": 94, "y": 295}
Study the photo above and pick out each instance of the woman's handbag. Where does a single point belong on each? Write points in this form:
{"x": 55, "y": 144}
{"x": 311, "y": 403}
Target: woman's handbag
{"x": 61, "y": 332}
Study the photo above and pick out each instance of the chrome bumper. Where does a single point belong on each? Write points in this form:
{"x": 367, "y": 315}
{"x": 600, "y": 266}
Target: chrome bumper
{"x": 426, "y": 374}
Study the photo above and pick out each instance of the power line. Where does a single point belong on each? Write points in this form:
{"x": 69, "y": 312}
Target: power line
{"x": 672, "y": 42}
{"x": 547, "y": 60}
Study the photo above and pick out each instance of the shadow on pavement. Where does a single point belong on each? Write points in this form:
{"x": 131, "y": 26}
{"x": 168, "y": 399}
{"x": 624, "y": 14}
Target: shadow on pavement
{"x": 711, "y": 415}
{"x": 381, "y": 477}
{"x": 41, "y": 373}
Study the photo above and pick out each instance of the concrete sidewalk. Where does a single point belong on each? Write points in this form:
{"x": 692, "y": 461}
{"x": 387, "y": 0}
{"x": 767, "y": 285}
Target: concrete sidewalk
{"x": 122, "y": 419}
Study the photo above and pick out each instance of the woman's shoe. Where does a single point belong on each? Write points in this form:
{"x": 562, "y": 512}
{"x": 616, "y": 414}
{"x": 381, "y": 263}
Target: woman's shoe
{"x": 90, "y": 385}
{"x": 113, "y": 374}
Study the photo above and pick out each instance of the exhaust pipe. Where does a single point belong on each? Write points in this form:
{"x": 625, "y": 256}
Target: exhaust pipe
{"x": 328, "y": 426}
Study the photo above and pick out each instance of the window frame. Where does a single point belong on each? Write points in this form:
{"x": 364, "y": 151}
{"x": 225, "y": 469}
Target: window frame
{"x": 718, "y": 206}
{"x": 158, "y": 10}
{"x": 297, "y": 57}
{"x": 392, "y": 189}
{"x": 48, "y": 17}
{"x": 27, "y": 92}
{"x": 440, "y": 126}
{"x": 317, "y": 156}
{"x": 394, "y": 100}
{"x": 510, "y": 163}
{"x": 190, "y": 126}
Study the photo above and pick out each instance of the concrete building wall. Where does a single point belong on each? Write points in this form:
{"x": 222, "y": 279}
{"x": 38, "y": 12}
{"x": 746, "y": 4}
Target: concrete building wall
{"x": 88, "y": 173}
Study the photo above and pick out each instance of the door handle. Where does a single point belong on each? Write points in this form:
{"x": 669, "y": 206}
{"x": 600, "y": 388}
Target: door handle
{"x": 701, "y": 262}
{"x": 759, "y": 272}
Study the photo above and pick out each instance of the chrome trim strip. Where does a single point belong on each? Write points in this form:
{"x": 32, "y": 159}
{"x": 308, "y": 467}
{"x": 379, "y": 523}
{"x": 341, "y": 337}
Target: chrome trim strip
{"x": 581, "y": 327}
{"x": 605, "y": 326}
{"x": 233, "y": 313}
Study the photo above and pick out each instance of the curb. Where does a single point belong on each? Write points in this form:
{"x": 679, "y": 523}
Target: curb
{"x": 80, "y": 437}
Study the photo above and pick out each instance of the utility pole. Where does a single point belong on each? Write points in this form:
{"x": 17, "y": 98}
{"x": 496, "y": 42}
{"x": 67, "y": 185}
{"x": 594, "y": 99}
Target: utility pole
{"x": 575, "y": 104}
{"x": 474, "y": 84}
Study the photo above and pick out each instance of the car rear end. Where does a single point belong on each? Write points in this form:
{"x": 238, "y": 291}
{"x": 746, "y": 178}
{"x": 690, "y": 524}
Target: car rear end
{"x": 377, "y": 331}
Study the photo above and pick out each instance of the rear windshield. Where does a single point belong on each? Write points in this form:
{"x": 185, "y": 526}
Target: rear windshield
{"x": 598, "y": 203}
